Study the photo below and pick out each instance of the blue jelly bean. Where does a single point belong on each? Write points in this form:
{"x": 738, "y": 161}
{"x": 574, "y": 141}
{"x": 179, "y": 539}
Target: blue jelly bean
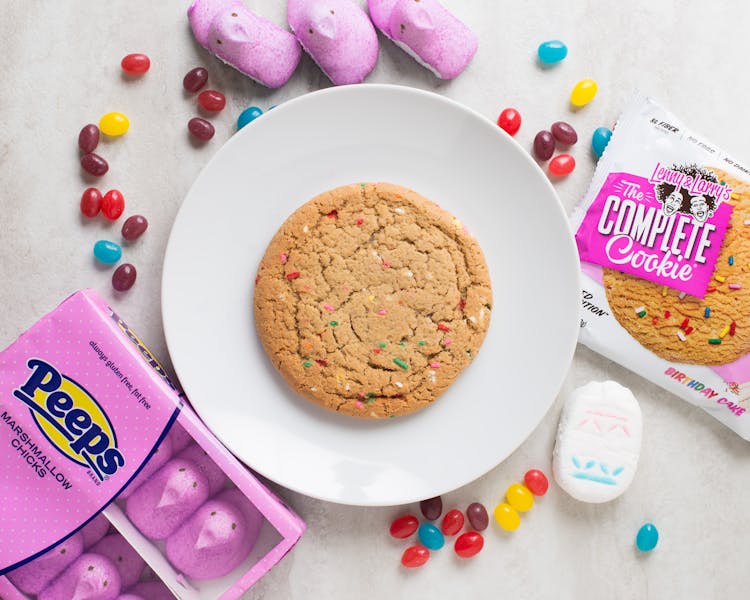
{"x": 107, "y": 252}
{"x": 248, "y": 116}
{"x": 600, "y": 139}
{"x": 647, "y": 538}
{"x": 552, "y": 52}
{"x": 430, "y": 536}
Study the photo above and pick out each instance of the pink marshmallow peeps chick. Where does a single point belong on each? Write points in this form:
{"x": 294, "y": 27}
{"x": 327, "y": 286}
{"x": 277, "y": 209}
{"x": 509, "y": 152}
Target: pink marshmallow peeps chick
{"x": 35, "y": 575}
{"x": 338, "y": 35}
{"x": 428, "y": 32}
{"x": 248, "y": 42}
{"x": 90, "y": 577}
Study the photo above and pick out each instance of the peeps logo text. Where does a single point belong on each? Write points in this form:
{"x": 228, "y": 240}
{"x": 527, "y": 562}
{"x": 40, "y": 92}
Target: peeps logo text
{"x": 71, "y": 419}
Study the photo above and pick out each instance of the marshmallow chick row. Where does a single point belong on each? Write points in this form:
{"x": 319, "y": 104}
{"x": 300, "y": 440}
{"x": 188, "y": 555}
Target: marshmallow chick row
{"x": 337, "y": 34}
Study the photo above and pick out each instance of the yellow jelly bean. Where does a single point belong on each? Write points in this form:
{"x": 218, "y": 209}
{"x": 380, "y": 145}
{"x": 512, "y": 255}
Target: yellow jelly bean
{"x": 507, "y": 517}
{"x": 519, "y": 497}
{"x": 583, "y": 92}
{"x": 114, "y": 124}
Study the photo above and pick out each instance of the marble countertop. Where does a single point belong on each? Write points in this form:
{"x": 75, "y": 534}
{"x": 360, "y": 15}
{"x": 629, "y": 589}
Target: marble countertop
{"x": 60, "y": 70}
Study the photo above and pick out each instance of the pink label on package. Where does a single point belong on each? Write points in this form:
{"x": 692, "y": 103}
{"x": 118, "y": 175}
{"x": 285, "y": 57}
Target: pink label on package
{"x": 667, "y": 228}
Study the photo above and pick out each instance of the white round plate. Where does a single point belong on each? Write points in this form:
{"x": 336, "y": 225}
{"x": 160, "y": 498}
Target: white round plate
{"x": 447, "y": 153}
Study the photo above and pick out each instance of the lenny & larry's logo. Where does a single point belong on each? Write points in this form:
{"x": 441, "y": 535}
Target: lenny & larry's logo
{"x": 689, "y": 189}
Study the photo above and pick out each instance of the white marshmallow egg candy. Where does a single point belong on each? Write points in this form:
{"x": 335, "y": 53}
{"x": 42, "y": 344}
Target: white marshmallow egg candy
{"x": 598, "y": 442}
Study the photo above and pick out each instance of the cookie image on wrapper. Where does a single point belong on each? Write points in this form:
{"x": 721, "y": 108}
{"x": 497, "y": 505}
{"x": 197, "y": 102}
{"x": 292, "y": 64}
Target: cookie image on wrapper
{"x": 714, "y": 330}
{"x": 598, "y": 442}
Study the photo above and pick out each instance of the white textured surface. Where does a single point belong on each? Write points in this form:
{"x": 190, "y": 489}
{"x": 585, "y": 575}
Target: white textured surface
{"x": 60, "y": 70}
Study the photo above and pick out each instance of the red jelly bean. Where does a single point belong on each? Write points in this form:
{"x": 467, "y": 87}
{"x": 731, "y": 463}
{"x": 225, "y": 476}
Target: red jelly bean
{"x": 113, "y": 205}
{"x": 432, "y": 508}
{"x": 133, "y": 227}
{"x": 135, "y": 64}
{"x": 124, "y": 277}
{"x": 195, "y": 79}
{"x": 562, "y": 164}
{"x": 88, "y": 139}
{"x": 452, "y": 523}
{"x": 544, "y": 145}
{"x": 510, "y": 121}
{"x": 94, "y": 164}
{"x": 404, "y": 526}
{"x": 91, "y": 202}
{"x": 564, "y": 133}
{"x": 201, "y": 129}
{"x": 469, "y": 544}
{"x": 536, "y": 481}
{"x": 415, "y": 556}
{"x": 477, "y": 515}
{"x": 212, "y": 100}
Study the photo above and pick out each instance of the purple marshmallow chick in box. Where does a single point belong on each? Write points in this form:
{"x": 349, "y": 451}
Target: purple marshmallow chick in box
{"x": 663, "y": 237}
{"x": 83, "y": 407}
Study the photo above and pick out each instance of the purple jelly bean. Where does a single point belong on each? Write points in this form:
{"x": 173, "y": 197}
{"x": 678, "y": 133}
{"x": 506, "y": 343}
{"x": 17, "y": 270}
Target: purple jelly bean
{"x": 564, "y": 133}
{"x": 432, "y": 508}
{"x": 88, "y": 139}
{"x": 544, "y": 145}
{"x": 94, "y": 164}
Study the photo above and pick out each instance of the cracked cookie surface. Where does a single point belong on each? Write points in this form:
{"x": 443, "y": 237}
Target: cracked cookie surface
{"x": 370, "y": 300}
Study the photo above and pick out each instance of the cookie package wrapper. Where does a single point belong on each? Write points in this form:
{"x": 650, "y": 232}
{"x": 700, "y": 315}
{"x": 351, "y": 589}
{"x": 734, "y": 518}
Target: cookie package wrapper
{"x": 664, "y": 238}
{"x": 102, "y": 457}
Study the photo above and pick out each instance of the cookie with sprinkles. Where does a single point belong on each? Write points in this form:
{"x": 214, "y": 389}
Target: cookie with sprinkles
{"x": 371, "y": 300}
{"x": 714, "y": 330}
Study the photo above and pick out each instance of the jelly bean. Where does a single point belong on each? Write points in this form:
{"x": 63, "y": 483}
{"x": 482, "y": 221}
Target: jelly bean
{"x": 510, "y": 121}
{"x": 113, "y": 205}
{"x": 583, "y": 92}
{"x": 195, "y": 79}
{"x": 404, "y": 526}
{"x": 201, "y": 129}
{"x": 519, "y": 497}
{"x": 507, "y": 517}
{"x": 430, "y": 536}
{"x": 248, "y": 116}
{"x": 452, "y": 523}
{"x": 124, "y": 277}
{"x": 135, "y": 64}
{"x": 432, "y": 508}
{"x": 562, "y": 164}
{"x": 552, "y": 52}
{"x": 536, "y": 481}
{"x": 114, "y": 124}
{"x": 212, "y": 101}
{"x": 133, "y": 227}
{"x": 544, "y": 145}
{"x": 477, "y": 515}
{"x": 600, "y": 139}
{"x": 88, "y": 139}
{"x": 94, "y": 164}
{"x": 469, "y": 544}
{"x": 564, "y": 133}
{"x": 107, "y": 252}
{"x": 647, "y": 538}
{"x": 415, "y": 556}
{"x": 91, "y": 202}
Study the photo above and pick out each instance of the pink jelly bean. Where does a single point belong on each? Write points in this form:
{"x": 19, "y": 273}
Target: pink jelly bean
{"x": 428, "y": 32}
{"x": 127, "y": 561}
{"x": 90, "y": 577}
{"x": 165, "y": 501}
{"x": 95, "y": 530}
{"x": 213, "y": 474}
{"x": 338, "y": 35}
{"x": 32, "y": 577}
{"x": 248, "y": 42}
{"x": 160, "y": 456}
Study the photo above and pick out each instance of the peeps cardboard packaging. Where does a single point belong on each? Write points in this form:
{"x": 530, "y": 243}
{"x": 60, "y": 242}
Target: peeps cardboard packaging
{"x": 111, "y": 483}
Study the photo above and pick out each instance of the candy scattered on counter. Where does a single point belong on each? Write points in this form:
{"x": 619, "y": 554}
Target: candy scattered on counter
{"x": 134, "y": 227}
{"x": 477, "y": 515}
{"x": 430, "y": 536}
{"x": 552, "y": 52}
{"x": 113, "y": 205}
{"x": 212, "y": 101}
{"x": 562, "y": 165}
{"x": 519, "y": 497}
{"x": 405, "y": 526}
{"x": 135, "y": 64}
{"x": 600, "y": 139}
{"x": 468, "y": 544}
{"x": 536, "y": 481}
{"x": 415, "y": 556}
{"x": 201, "y": 129}
{"x": 647, "y": 537}
{"x": 544, "y": 145}
{"x": 507, "y": 517}
{"x": 107, "y": 252}
{"x": 452, "y": 523}
{"x": 248, "y": 116}
{"x": 564, "y": 133}
{"x": 94, "y": 164}
{"x": 88, "y": 139}
{"x": 124, "y": 277}
{"x": 583, "y": 92}
{"x": 195, "y": 79}
{"x": 509, "y": 121}
{"x": 114, "y": 124}
{"x": 432, "y": 508}
{"x": 91, "y": 202}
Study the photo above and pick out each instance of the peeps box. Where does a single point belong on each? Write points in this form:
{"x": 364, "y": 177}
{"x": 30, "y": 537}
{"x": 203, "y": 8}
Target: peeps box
{"x": 111, "y": 485}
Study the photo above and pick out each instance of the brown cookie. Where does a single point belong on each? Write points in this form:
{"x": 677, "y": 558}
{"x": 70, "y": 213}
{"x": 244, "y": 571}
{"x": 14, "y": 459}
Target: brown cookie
{"x": 669, "y": 318}
{"x": 371, "y": 300}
